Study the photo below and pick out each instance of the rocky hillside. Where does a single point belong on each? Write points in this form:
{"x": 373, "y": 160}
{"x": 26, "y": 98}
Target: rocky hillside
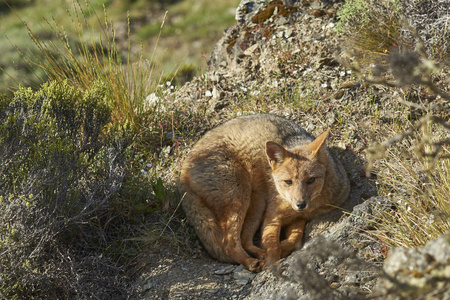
{"x": 285, "y": 58}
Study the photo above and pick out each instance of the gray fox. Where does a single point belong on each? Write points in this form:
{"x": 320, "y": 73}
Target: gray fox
{"x": 258, "y": 172}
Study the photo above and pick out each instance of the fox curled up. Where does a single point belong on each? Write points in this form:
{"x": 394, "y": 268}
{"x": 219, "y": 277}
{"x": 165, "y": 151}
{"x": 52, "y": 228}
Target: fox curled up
{"x": 258, "y": 172}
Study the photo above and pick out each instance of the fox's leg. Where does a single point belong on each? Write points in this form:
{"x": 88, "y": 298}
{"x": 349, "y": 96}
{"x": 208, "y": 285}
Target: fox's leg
{"x": 252, "y": 223}
{"x": 271, "y": 241}
{"x": 294, "y": 234}
{"x": 232, "y": 219}
{"x": 231, "y": 227}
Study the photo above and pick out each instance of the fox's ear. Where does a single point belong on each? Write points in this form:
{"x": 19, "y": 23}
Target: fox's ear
{"x": 318, "y": 147}
{"x": 275, "y": 153}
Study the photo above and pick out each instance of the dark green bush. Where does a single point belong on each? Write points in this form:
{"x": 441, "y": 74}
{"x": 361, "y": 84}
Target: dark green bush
{"x": 6, "y": 5}
{"x": 59, "y": 170}
{"x": 185, "y": 73}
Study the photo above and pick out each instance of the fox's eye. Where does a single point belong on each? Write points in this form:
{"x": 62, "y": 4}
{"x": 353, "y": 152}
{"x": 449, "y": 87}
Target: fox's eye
{"x": 310, "y": 180}
{"x": 288, "y": 182}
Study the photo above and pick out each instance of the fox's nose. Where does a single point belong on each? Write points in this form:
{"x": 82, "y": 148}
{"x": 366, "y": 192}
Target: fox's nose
{"x": 301, "y": 205}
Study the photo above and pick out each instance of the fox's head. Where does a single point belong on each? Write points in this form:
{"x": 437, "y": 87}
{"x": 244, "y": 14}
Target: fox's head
{"x": 299, "y": 173}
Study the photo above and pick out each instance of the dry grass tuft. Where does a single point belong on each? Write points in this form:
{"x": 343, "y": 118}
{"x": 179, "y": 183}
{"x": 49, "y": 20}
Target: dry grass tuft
{"x": 419, "y": 191}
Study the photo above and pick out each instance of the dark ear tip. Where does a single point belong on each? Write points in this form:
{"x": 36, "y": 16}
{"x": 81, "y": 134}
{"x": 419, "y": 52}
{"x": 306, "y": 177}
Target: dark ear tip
{"x": 271, "y": 145}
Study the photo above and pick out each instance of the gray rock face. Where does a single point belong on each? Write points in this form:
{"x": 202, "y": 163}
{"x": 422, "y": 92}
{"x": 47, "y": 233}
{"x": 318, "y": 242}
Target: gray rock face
{"x": 248, "y": 31}
{"x": 414, "y": 273}
{"x": 262, "y": 22}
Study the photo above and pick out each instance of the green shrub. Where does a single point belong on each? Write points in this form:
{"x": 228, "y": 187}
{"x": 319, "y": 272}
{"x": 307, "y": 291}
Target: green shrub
{"x": 59, "y": 170}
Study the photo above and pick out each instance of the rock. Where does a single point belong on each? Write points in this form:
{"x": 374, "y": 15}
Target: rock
{"x": 247, "y": 9}
{"x": 316, "y": 12}
{"x": 281, "y": 20}
{"x": 243, "y": 276}
{"x": 250, "y": 50}
{"x": 257, "y": 22}
{"x": 339, "y": 94}
{"x": 215, "y": 93}
{"x": 149, "y": 286}
{"x": 288, "y": 32}
{"x": 423, "y": 272}
{"x": 225, "y": 270}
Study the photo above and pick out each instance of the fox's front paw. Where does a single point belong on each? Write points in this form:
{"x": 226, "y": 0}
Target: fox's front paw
{"x": 257, "y": 266}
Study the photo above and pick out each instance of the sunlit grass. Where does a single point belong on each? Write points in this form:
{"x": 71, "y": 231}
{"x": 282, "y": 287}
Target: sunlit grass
{"x": 129, "y": 78}
{"x": 190, "y": 32}
{"x": 420, "y": 193}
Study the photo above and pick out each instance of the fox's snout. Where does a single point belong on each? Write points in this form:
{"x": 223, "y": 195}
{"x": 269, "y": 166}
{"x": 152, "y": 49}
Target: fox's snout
{"x": 300, "y": 205}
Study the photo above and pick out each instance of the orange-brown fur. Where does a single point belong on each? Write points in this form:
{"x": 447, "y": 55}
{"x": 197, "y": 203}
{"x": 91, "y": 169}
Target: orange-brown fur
{"x": 255, "y": 173}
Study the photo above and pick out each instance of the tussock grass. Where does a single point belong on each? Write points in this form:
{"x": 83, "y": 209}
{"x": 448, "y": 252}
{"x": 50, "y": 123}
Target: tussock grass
{"x": 419, "y": 191}
{"x": 371, "y": 29}
{"x": 129, "y": 79}
{"x": 393, "y": 50}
